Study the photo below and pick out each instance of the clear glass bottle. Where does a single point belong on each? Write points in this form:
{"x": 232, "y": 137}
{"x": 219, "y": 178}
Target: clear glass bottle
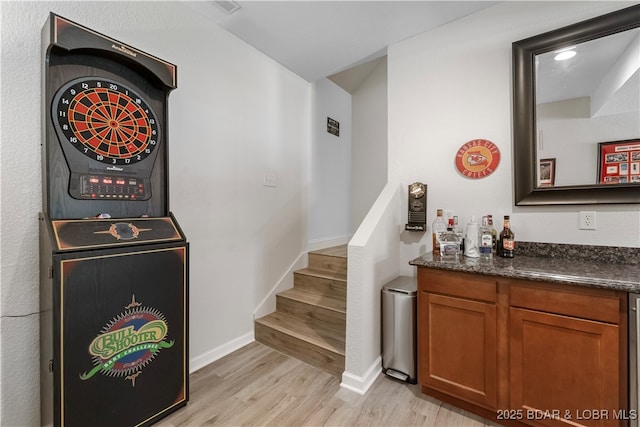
{"x": 485, "y": 239}
{"x": 437, "y": 228}
{"x": 494, "y": 234}
{"x": 449, "y": 242}
{"x": 507, "y": 246}
{"x": 457, "y": 228}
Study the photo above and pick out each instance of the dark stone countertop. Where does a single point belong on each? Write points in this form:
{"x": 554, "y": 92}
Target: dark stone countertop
{"x": 599, "y": 267}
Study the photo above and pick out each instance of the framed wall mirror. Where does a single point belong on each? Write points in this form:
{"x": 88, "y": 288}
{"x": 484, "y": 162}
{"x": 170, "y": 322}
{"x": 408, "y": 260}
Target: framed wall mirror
{"x": 566, "y": 110}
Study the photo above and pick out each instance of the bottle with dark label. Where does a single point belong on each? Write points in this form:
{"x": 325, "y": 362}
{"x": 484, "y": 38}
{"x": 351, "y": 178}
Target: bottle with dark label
{"x": 494, "y": 234}
{"x": 507, "y": 244}
{"x": 438, "y": 227}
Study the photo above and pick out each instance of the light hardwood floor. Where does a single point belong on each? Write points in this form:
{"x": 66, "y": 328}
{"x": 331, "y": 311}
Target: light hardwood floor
{"x": 258, "y": 386}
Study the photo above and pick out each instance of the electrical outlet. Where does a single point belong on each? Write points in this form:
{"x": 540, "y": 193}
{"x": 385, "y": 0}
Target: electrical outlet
{"x": 270, "y": 180}
{"x": 587, "y": 220}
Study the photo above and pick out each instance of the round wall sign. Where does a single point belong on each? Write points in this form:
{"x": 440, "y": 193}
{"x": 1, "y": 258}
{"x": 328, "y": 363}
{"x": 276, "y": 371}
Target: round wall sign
{"x": 477, "y": 158}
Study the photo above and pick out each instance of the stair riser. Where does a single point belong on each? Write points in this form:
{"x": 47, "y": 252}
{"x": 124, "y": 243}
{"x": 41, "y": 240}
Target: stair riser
{"x": 327, "y": 262}
{"x": 316, "y": 316}
{"x": 313, "y": 355}
{"x": 334, "y": 287}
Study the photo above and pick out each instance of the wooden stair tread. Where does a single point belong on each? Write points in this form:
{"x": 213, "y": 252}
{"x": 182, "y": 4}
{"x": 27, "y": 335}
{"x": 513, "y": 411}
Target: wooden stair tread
{"x": 317, "y": 298}
{"x": 334, "y": 259}
{"x": 290, "y": 325}
{"x": 310, "y": 319}
{"x": 337, "y": 251}
{"x": 326, "y": 274}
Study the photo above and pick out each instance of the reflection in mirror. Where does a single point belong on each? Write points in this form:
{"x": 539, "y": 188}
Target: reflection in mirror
{"x": 586, "y": 94}
{"x": 559, "y": 128}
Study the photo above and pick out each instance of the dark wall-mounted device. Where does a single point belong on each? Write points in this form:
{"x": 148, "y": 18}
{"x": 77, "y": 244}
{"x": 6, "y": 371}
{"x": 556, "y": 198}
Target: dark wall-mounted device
{"x": 417, "y": 207}
{"x": 114, "y": 263}
{"x": 105, "y": 139}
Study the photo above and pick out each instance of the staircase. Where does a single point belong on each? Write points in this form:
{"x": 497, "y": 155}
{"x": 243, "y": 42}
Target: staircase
{"x": 310, "y": 318}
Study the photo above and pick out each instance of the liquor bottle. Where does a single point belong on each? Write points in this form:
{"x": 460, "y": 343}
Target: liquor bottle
{"x": 485, "y": 239}
{"x": 449, "y": 242}
{"x": 471, "y": 239}
{"x": 438, "y": 227}
{"x": 457, "y": 228}
{"x": 507, "y": 246}
{"x": 494, "y": 235}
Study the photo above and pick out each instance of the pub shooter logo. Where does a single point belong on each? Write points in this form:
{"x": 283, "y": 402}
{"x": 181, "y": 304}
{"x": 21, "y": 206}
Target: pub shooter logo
{"x": 128, "y": 343}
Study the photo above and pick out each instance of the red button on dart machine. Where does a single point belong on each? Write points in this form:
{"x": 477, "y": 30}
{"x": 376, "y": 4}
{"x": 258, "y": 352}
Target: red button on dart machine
{"x": 114, "y": 261}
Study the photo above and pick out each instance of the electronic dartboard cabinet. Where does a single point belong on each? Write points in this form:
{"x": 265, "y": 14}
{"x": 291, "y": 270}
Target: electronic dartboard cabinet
{"x": 114, "y": 261}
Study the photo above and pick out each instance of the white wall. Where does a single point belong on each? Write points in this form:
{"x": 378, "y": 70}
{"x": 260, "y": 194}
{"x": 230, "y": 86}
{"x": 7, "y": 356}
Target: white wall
{"x": 369, "y": 146}
{"x": 373, "y": 261}
{"x": 330, "y": 189}
{"x": 573, "y": 142}
{"x": 234, "y": 116}
{"x": 453, "y": 84}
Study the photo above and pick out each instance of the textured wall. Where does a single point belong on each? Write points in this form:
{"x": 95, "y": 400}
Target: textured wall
{"x": 235, "y": 116}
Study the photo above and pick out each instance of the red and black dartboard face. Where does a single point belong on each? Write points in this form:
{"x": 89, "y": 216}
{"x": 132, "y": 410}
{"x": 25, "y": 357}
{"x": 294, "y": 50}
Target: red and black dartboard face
{"x": 106, "y": 121}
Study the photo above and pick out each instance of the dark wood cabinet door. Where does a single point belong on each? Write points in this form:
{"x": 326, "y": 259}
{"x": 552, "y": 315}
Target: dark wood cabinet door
{"x": 457, "y": 348}
{"x": 566, "y": 367}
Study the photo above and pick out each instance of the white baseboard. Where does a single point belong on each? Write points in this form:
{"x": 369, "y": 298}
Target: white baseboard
{"x": 219, "y": 352}
{"x": 327, "y": 242}
{"x": 362, "y": 384}
{"x": 268, "y": 304}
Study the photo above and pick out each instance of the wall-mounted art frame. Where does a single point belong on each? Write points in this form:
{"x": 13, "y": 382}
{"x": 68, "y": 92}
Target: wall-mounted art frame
{"x": 333, "y": 127}
{"x": 547, "y": 172}
{"x": 619, "y": 162}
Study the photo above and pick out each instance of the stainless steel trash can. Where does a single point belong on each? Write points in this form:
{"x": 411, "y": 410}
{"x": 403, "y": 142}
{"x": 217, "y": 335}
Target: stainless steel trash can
{"x": 399, "y": 329}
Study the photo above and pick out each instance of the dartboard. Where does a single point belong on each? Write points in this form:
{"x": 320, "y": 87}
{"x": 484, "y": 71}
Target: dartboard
{"x": 106, "y": 120}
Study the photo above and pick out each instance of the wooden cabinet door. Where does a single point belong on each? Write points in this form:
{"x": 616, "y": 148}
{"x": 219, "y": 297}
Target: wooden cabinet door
{"x": 564, "y": 366}
{"x": 457, "y": 348}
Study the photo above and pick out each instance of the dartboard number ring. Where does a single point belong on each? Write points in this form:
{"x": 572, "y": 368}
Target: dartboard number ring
{"x": 106, "y": 121}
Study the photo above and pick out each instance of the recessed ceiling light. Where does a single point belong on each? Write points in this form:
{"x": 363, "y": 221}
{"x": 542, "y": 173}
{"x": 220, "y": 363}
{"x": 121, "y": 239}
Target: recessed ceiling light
{"x": 561, "y": 56}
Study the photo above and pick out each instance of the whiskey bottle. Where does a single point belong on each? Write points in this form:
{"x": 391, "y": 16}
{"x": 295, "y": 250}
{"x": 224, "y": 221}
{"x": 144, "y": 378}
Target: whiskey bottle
{"x": 485, "y": 239}
{"x": 507, "y": 246}
{"x": 438, "y": 227}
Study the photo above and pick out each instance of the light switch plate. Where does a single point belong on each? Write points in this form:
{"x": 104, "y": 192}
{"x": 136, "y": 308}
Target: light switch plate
{"x": 270, "y": 180}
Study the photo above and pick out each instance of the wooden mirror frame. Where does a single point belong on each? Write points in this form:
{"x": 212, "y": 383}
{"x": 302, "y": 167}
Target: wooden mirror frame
{"x": 526, "y": 191}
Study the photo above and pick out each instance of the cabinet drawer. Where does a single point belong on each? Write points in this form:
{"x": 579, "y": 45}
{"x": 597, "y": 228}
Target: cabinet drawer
{"x": 472, "y": 286}
{"x": 586, "y": 304}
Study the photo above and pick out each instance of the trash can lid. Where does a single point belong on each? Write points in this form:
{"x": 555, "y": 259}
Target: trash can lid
{"x": 404, "y": 284}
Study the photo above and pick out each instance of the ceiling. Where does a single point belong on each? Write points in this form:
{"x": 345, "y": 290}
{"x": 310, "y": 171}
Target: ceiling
{"x": 610, "y": 60}
{"x": 317, "y": 39}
